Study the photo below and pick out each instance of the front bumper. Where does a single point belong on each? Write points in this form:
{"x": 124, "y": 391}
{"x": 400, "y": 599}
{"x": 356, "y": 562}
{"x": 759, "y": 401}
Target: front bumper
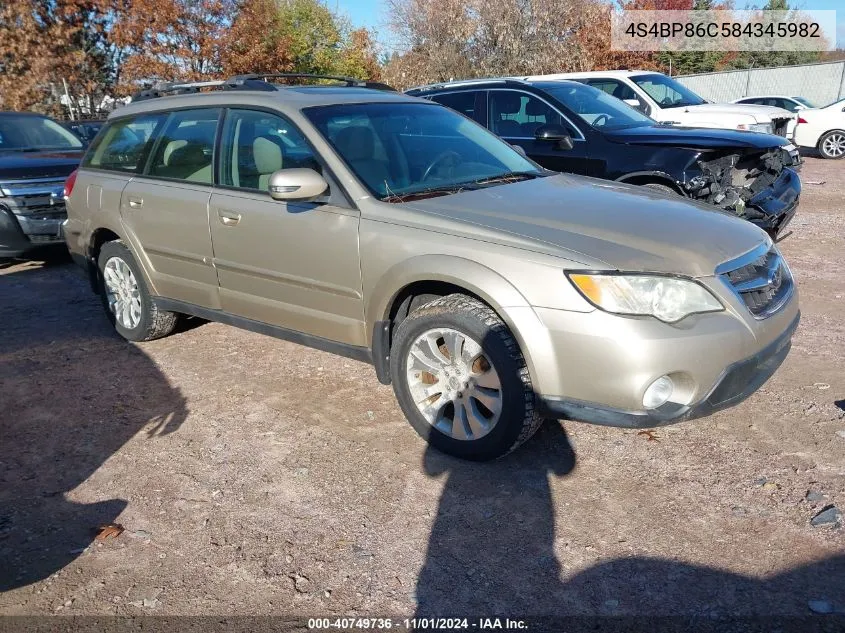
{"x": 774, "y": 207}
{"x": 20, "y": 235}
{"x": 737, "y": 382}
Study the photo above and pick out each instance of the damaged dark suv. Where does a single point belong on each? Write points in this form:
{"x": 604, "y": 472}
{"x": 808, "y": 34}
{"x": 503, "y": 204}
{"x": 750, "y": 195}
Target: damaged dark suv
{"x": 570, "y": 127}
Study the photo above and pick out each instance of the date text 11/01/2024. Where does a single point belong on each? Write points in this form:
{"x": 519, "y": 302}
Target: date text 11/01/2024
{"x": 417, "y": 624}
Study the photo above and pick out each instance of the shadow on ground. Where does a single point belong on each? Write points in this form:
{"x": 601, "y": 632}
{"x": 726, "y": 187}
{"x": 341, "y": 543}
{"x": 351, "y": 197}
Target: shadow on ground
{"x": 491, "y": 554}
{"x": 71, "y": 394}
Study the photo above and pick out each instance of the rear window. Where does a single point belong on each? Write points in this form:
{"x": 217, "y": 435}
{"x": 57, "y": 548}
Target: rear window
{"x": 123, "y": 144}
{"x": 463, "y": 102}
{"x": 26, "y": 132}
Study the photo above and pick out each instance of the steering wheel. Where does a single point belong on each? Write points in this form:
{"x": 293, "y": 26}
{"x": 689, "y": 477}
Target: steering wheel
{"x": 599, "y": 117}
{"x": 667, "y": 102}
{"x": 441, "y": 158}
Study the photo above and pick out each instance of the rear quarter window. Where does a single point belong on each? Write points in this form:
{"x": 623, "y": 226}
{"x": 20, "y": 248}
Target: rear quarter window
{"x": 123, "y": 144}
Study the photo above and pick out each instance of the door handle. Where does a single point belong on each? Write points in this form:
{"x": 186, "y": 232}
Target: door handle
{"x": 228, "y": 218}
{"x": 136, "y": 203}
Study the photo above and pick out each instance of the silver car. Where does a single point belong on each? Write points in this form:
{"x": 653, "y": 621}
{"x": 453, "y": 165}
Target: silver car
{"x": 490, "y": 292}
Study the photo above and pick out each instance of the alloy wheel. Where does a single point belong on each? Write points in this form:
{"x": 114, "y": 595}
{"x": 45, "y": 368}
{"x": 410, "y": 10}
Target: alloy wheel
{"x": 454, "y": 384}
{"x": 122, "y": 292}
{"x": 834, "y": 145}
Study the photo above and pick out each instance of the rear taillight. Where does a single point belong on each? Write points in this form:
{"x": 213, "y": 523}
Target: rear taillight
{"x": 69, "y": 183}
{"x": 801, "y": 120}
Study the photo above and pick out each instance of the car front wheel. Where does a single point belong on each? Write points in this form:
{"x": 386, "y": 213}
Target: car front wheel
{"x": 461, "y": 379}
{"x": 128, "y": 303}
{"x": 832, "y": 144}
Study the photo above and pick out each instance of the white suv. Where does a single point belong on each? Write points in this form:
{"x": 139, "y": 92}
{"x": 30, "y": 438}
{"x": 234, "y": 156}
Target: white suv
{"x": 667, "y": 101}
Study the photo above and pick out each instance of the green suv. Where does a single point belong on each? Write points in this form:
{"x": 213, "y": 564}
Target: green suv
{"x": 490, "y": 292}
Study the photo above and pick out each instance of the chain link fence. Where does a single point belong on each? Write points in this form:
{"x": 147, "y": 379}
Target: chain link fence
{"x": 821, "y": 83}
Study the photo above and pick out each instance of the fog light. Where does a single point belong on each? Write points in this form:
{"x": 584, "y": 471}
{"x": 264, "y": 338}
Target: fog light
{"x": 658, "y": 392}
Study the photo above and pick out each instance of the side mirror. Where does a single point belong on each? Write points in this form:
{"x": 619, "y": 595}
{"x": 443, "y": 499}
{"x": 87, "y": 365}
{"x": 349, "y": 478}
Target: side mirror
{"x": 296, "y": 184}
{"x": 556, "y": 134}
{"x": 519, "y": 149}
{"x": 635, "y": 103}
{"x": 798, "y": 107}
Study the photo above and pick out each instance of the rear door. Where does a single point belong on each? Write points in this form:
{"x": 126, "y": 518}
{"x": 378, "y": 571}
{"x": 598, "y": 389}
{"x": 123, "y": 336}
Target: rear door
{"x": 166, "y": 208}
{"x": 516, "y": 115}
{"x": 290, "y": 264}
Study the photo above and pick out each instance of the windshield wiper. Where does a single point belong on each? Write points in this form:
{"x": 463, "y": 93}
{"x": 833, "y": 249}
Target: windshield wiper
{"x": 511, "y": 176}
{"x": 429, "y": 192}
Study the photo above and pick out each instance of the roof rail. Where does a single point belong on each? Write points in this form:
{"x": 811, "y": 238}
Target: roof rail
{"x": 466, "y": 82}
{"x": 248, "y": 82}
{"x": 348, "y": 81}
{"x": 166, "y": 87}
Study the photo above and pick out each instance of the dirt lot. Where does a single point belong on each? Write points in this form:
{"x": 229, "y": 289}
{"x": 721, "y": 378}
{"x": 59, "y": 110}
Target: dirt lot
{"x": 253, "y": 476}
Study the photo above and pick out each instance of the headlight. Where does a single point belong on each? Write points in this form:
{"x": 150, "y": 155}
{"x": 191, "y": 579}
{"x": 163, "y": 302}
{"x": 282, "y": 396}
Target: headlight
{"x": 667, "y": 298}
{"x": 766, "y": 128}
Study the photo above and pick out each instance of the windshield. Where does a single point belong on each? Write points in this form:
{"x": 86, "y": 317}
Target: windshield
{"x": 598, "y": 108}
{"x": 22, "y": 133}
{"x": 805, "y": 102}
{"x": 401, "y": 149}
{"x": 667, "y": 92}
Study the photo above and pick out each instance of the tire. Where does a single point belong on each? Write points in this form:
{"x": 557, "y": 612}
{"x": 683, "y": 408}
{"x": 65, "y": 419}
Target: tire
{"x": 832, "y": 144}
{"x": 469, "y": 433}
{"x": 152, "y": 323}
{"x": 658, "y": 187}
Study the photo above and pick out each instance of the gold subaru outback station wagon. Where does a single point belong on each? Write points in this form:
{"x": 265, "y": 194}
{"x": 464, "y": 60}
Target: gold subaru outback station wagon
{"x": 490, "y": 292}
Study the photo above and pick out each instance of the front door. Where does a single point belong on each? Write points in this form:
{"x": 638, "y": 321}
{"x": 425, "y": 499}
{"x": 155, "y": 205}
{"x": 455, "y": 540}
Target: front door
{"x": 166, "y": 208}
{"x": 515, "y": 116}
{"x": 290, "y": 264}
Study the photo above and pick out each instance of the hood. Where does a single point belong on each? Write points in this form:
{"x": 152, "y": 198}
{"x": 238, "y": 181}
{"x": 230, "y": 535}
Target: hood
{"x": 692, "y": 137}
{"x": 761, "y": 114}
{"x": 46, "y": 164}
{"x": 602, "y": 224}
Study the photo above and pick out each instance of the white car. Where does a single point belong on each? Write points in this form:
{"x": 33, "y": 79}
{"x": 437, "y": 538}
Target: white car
{"x": 667, "y": 101}
{"x": 793, "y": 104}
{"x": 824, "y": 129}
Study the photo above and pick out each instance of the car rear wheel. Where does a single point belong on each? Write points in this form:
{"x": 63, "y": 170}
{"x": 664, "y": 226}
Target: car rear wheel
{"x": 832, "y": 144}
{"x": 128, "y": 303}
{"x": 461, "y": 379}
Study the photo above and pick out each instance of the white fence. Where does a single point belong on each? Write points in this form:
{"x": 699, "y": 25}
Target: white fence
{"x": 820, "y": 83}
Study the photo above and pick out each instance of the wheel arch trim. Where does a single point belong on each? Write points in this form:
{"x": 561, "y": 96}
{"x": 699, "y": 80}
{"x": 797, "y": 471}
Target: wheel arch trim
{"x": 475, "y": 278}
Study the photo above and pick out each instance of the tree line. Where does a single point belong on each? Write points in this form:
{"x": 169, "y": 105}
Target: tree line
{"x": 90, "y": 51}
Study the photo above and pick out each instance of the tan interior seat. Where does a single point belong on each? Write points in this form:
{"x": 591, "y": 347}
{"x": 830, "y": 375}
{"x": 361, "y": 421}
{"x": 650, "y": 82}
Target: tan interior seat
{"x": 184, "y": 160}
{"x": 357, "y": 144}
{"x": 268, "y": 159}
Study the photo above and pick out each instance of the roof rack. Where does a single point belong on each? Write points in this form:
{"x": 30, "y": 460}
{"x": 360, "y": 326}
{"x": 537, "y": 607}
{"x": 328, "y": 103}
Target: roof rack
{"x": 466, "y": 82}
{"x": 350, "y": 82}
{"x": 260, "y": 82}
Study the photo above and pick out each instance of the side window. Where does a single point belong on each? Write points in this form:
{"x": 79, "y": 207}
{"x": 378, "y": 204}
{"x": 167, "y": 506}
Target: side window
{"x": 185, "y": 149}
{"x": 256, "y": 144}
{"x": 787, "y": 104}
{"x": 620, "y": 90}
{"x": 124, "y": 143}
{"x": 613, "y": 88}
{"x": 463, "y": 102}
{"x": 518, "y": 114}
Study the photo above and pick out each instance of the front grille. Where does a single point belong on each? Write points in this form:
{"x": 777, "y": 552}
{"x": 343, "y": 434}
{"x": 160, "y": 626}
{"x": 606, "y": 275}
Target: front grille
{"x": 779, "y": 126}
{"x": 764, "y": 284}
{"x": 32, "y": 197}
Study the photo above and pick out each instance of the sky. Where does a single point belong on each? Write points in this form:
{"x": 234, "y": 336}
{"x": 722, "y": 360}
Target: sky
{"x": 371, "y": 14}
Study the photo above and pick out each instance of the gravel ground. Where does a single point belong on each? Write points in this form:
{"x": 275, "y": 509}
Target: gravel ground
{"x": 253, "y": 476}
